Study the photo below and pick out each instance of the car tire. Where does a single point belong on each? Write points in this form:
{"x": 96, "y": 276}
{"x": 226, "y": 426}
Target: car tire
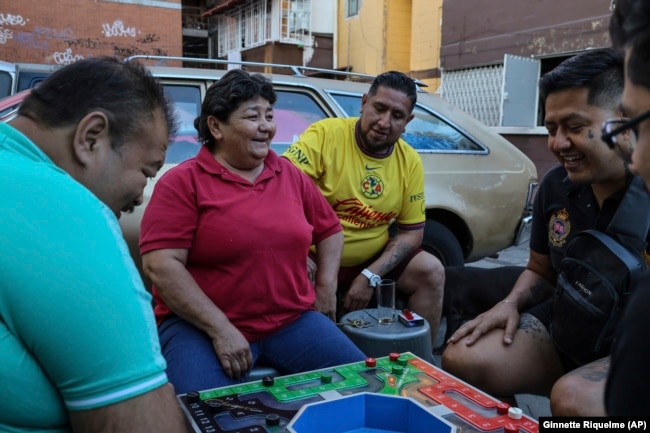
{"x": 441, "y": 242}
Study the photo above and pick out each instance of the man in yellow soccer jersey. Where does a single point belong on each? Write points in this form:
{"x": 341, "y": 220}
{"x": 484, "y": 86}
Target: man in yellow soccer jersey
{"x": 371, "y": 178}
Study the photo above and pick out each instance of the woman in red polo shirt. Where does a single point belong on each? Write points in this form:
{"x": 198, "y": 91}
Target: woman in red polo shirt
{"x": 225, "y": 240}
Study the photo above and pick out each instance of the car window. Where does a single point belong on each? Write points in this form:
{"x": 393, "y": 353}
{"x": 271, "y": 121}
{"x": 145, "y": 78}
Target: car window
{"x": 187, "y": 106}
{"x": 426, "y": 132}
{"x": 293, "y": 113}
{"x": 28, "y": 79}
{"x": 5, "y": 84}
{"x": 350, "y": 104}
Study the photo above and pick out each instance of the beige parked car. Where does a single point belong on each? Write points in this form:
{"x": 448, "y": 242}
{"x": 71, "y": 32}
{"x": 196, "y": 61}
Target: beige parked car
{"x": 478, "y": 186}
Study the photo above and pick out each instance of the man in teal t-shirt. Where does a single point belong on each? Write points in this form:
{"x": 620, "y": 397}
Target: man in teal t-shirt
{"x": 78, "y": 344}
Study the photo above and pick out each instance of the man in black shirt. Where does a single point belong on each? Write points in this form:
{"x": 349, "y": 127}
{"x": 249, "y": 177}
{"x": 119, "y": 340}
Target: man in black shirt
{"x": 508, "y": 350}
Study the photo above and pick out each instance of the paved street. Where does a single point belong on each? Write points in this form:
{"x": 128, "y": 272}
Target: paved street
{"x": 513, "y": 256}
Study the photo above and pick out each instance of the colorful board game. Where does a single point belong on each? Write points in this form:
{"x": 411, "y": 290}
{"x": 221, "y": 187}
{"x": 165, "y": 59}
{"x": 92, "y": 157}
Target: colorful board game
{"x": 268, "y": 405}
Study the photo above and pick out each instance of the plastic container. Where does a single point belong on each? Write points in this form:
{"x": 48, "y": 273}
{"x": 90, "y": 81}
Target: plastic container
{"x": 367, "y": 413}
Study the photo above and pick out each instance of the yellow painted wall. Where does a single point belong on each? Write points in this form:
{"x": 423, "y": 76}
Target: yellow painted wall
{"x": 391, "y": 34}
{"x": 426, "y": 38}
{"x": 398, "y": 35}
{"x": 360, "y": 38}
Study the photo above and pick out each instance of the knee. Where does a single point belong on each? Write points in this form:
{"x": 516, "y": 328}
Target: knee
{"x": 457, "y": 360}
{"x": 433, "y": 272}
{"x": 478, "y": 366}
{"x": 450, "y": 360}
{"x": 566, "y": 398}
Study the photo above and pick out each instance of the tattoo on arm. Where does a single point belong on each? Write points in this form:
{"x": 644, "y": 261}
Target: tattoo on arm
{"x": 540, "y": 291}
{"x": 398, "y": 251}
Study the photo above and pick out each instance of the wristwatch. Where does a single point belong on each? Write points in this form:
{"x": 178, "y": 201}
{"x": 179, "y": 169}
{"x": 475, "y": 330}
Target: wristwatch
{"x": 373, "y": 279}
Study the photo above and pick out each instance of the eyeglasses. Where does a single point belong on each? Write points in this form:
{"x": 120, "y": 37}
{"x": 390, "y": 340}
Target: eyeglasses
{"x": 616, "y": 133}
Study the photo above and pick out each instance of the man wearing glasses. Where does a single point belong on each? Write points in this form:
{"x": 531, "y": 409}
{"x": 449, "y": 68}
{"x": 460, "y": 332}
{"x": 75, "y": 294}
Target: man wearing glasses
{"x": 629, "y": 377}
{"x": 508, "y": 350}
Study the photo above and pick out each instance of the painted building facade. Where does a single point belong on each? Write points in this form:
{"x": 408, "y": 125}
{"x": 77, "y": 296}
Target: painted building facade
{"x": 373, "y": 36}
{"x": 291, "y": 32}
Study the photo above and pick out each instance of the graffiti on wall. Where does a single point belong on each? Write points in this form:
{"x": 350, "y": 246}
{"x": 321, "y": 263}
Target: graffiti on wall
{"x": 66, "y": 57}
{"x": 7, "y": 21}
{"x": 149, "y": 38}
{"x": 62, "y": 46}
{"x": 117, "y": 29}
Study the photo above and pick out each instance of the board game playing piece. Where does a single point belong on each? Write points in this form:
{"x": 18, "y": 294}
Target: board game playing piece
{"x": 272, "y": 419}
{"x": 326, "y": 378}
{"x": 502, "y": 408}
{"x": 515, "y": 413}
{"x": 268, "y": 381}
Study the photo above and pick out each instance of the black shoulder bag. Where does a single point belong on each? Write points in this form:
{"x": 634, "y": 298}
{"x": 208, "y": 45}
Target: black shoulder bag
{"x": 596, "y": 277}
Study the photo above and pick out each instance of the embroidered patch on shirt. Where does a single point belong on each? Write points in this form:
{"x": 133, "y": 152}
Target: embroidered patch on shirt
{"x": 372, "y": 186}
{"x": 559, "y": 227}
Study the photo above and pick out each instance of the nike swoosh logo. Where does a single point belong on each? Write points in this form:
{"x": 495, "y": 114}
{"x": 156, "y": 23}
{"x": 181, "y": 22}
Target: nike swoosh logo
{"x": 371, "y": 168}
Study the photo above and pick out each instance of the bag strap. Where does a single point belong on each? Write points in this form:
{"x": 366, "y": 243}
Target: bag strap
{"x": 631, "y": 221}
{"x": 623, "y": 254}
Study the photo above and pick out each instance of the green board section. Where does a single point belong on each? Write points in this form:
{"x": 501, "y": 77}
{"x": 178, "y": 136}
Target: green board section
{"x": 304, "y": 385}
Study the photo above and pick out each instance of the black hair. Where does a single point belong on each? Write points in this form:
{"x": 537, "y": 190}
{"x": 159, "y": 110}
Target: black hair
{"x": 397, "y": 81}
{"x": 226, "y": 95}
{"x": 125, "y": 92}
{"x": 629, "y": 27}
{"x": 599, "y": 70}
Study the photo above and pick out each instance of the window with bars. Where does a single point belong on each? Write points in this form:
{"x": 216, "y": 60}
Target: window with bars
{"x": 295, "y": 20}
{"x": 243, "y": 27}
{"x": 251, "y": 25}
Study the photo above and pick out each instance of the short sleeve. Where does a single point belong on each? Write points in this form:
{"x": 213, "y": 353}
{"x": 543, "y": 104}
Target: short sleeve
{"x": 171, "y": 217}
{"x": 413, "y": 212}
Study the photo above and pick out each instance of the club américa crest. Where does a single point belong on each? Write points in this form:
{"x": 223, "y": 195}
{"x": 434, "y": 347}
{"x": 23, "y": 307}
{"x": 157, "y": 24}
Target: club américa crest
{"x": 372, "y": 186}
{"x": 559, "y": 227}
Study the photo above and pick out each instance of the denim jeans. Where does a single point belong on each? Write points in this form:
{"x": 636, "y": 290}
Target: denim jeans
{"x": 312, "y": 342}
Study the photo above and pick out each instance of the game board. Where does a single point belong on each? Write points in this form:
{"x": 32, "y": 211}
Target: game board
{"x": 268, "y": 405}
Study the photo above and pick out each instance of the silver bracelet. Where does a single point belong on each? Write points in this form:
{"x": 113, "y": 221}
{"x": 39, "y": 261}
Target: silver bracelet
{"x": 508, "y": 301}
